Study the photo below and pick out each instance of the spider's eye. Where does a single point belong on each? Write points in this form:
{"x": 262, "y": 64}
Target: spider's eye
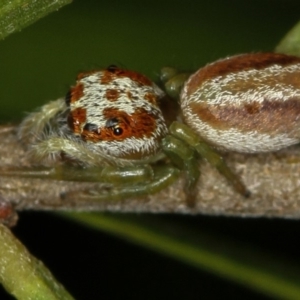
{"x": 90, "y": 127}
{"x": 112, "y": 68}
{"x": 114, "y": 125}
{"x": 118, "y": 131}
{"x": 112, "y": 122}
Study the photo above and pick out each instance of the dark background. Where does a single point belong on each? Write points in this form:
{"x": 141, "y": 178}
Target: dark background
{"x": 39, "y": 63}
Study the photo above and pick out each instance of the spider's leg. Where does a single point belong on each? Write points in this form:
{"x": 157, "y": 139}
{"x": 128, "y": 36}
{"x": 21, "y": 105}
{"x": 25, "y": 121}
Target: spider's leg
{"x": 184, "y": 157}
{"x": 33, "y": 125}
{"x": 184, "y": 133}
{"x": 162, "y": 178}
{"x": 49, "y": 150}
{"x": 107, "y": 174}
{"x": 122, "y": 182}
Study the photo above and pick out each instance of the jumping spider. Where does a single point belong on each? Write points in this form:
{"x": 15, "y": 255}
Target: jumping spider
{"x": 111, "y": 125}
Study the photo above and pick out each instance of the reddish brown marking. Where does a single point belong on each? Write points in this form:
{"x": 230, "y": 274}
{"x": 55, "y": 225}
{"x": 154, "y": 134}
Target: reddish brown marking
{"x": 271, "y": 117}
{"x": 252, "y": 108}
{"x": 129, "y": 95}
{"x": 137, "y": 77}
{"x": 110, "y": 75}
{"x": 76, "y": 118}
{"x": 112, "y": 95}
{"x": 107, "y": 77}
{"x": 238, "y": 63}
{"x": 76, "y": 92}
{"x": 6, "y": 210}
{"x": 139, "y": 124}
{"x": 151, "y": 98}
{"x": 8, "y": 215}
{"x": 86, "y": 74}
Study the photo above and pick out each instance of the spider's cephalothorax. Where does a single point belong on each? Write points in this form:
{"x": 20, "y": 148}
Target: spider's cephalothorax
{"x": 110, "y": 115}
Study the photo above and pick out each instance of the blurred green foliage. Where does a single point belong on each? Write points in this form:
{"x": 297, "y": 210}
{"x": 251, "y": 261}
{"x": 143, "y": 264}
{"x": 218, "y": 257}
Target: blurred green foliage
{"x": 40, "y": 62}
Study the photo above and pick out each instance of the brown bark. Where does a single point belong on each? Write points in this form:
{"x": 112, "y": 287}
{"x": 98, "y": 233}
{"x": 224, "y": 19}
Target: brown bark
{"x": 273, "y": 180}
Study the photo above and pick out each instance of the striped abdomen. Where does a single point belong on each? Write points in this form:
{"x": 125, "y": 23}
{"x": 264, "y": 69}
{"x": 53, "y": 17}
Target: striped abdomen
{"x": 245, "y": 103}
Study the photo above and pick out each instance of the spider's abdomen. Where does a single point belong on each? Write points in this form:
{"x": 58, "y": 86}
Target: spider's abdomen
{"x": 245, "y": 103}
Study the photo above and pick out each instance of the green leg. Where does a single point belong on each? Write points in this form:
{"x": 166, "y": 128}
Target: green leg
{"x": 173, "y": 81}
{"x": 184, "y": 133}
{"x": 184, "y": 157}
{"x": 122, "y": 182}
{"x": 107, "y": 174}
{"x": 163, "y": 177}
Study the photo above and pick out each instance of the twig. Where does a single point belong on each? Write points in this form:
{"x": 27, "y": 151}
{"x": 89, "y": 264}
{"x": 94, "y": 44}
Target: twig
{"x": 273, "y": 180}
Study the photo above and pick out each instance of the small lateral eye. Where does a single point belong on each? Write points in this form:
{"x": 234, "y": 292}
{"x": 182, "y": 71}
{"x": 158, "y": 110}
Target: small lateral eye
{"x": 112, "y": 68}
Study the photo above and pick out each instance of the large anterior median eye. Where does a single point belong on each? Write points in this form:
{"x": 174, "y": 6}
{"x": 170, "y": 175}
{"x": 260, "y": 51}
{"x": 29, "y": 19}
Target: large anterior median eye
{"x": 118, "y": 131}
{"x": 114, "y": 125}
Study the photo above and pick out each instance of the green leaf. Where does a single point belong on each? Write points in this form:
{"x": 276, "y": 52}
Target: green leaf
{"x": 290, "y": 44}
{"x": 17, "y": 14}
{"x": 23, "y": 275}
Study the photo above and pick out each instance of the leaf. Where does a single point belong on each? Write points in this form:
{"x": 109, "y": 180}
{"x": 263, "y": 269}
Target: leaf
{"x": 17, "y": 14}
{"x": 290, "y": 44}
{"x": 23, "y": 275}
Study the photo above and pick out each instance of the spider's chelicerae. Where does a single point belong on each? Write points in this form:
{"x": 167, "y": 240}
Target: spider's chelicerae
{"x": 110, "y": 124}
